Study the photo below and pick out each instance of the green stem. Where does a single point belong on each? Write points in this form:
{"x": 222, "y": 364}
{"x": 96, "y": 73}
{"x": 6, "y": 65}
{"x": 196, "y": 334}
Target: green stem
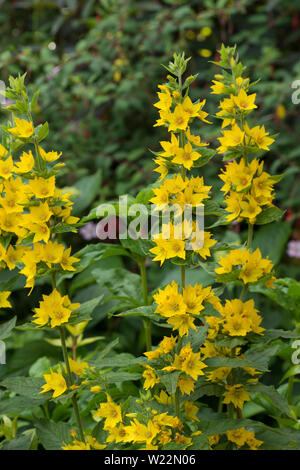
{"x": 249, "y": 244}
{"x": 146, "y": 321}
{"x": 289, "y": 394}
{"x": 230, "y": 409}
{"x": 182, "y": 271}
{"x": 220, "y": 405}
{"x": 244, "y": 292}
{"x": 250, "y": 236}
{"x": 142, "y": 265}
{"x": 70, "y": 380}
{"x": 148, "y": 336}
{"x": 177, "y": 403}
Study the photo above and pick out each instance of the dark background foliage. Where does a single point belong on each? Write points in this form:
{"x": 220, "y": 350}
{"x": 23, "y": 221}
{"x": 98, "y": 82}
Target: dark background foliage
{"x": 97, "y": 65}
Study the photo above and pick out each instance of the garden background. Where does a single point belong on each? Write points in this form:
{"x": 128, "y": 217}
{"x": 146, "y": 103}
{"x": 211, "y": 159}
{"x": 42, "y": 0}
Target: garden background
{"x": 97, "y": 65}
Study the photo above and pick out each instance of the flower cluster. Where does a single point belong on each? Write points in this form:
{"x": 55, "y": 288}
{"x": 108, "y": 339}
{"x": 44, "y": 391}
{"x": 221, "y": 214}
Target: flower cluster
{"x": 250, "y": 190}
{"x": 182, "y": 309}
{"x": 32, "y": 208}
{"x": 248, "y": 187}
{"x": 247, "y": 266}
{"x": 150, "y": 429}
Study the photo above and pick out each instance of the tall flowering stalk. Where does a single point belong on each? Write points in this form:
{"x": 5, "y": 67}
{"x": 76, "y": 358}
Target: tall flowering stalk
{"x": 181, "y": 307}
{"x": 212, "y": 335}
{"x": 33, "y": 211}
{"x": 217, "y": 347}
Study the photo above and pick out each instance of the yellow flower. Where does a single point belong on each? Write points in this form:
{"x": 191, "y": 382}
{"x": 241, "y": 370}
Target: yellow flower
{"x": 55, "y": 308}
{"x": 260, "y": 136}
{"x": 111, "y": 412}
{"x": 77, "y": 367}
{"x": 236, "y": 395}
{"x": 52, "y": 253}
{"x": 118, "y": 434}
{"x": 178, "y": 120}
{"x": 170, "y": 148}
{"x": 163, "y": 398}
{"x": 213, "y": 439}
{"x": 23, "y": 128}
{"x": 66, "y": 261}
{"x": 218, "y": 87}
{"x": 6, "y": 168}
{"x": 161, "y": 197}
{"x": 182, "y": 323}
{"x": 176, "y": 184}
{"x": 95, "y": 389}
{"x": 219, "y": 375}
{"x": 42, "y": 188}
{"x": 150, "y": 377}
{"x": 40, "y": 214}
{"x": 191, "y": 363}
{"x": 186, "y": 156}
{"x": 192, "y": 300}
{"x": 56, "y": 382}
{"x": 231, "y": 138}
{"x": 4, "y": 303}
{"x": 233, "y": 203}
{"x": 185, "y": 385}
{"x": 12, "y": 201}
{"x": 245, "y": 102}
{"x": 175, "y": 248}
{"x": 165, "y": 100}
{"x": 189, "y": 108}
{"x": 173, "y": 306}
{"x": 49, "y": 156}
{"x": 207, "y": 242}
{"x": 191, "y": 410}
{"x": 3, "y": 151}
{"x": 25, "y": 164}
{"x": 250, "y": 209}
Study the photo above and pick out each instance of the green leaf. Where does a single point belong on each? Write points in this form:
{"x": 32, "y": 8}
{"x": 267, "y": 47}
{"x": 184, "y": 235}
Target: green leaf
{"x": 17, "y": 405}
{"x": 53, "y": 435}
{"x": 119, "y": 360}
{"x": 294, "y": 370}
{"x": 234, "y": 363}
{"x": 279, "y": 233}
{"x": 5, "y": 328}
{"x": 174, "y": 446}
{"x": 84, "y": 312}
{"x": 206, "y": 156}
{"x": 19, "y": 443}
{"x": 213, "y": 208}
{"x": 89, "y": 188}
{"x": 120, "y": 376}
{"x": 286, "y": 294}
{"x": 219, "y": 425}
{"x": 169, "y": 379}
{"x": 200, "y": 443}
{"x": 43, "y": 131}
{"x": 25, "y": 386}
{"x": 40, "y": 367}
{"x": 269, "y": 215}
{"x": 143, "y": 312}
{"x": 272, "y": 396}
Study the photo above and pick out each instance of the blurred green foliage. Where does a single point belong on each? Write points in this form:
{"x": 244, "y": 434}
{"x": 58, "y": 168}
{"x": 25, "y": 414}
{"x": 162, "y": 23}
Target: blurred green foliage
{"x": 98, "y": 63}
